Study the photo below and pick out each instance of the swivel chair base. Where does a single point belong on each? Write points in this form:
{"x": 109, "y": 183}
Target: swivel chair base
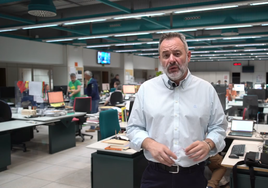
{"x": 20, "y": 146}
{"x": 79, "y": 133}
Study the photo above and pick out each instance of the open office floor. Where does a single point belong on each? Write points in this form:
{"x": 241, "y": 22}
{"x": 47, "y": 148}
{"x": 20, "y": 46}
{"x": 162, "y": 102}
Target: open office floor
{"x": 36, "y": 168}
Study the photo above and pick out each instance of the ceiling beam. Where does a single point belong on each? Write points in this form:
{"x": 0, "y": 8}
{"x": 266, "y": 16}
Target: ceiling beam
{"x": 9, "y": 1}
{"x": 116, "y": 6}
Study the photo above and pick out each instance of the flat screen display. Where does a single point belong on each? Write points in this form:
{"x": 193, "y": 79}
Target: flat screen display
{"x": 129, "y": 89}
{"x": 104, "y": 58}
{"x": 55, "y": 97}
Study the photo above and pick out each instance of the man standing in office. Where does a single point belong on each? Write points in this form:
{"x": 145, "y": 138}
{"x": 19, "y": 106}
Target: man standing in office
{"x": 230, "y": 93}
{"x": 176, "y": 129}
{"x": 92, "y": 91}
{"x": 115, "y": 79}
{"x": 74, "y": 88}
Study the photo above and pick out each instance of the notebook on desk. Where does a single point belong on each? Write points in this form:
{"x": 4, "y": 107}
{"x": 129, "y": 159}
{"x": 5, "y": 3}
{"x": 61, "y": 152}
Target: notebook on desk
{"x": 242, "y": 128}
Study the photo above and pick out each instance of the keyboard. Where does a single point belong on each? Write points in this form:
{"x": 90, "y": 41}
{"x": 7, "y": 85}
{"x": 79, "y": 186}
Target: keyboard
{"x": 238, "y": 149}
{"x": 240, "y": 134}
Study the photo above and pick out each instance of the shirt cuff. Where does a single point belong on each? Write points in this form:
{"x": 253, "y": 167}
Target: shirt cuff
{"x": 137, "y": 140}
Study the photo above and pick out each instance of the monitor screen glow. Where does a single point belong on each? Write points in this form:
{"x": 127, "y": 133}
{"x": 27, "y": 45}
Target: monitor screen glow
{"x": 129, "y": 89}
{"x": 55, "y": 97}
{"x": 105, "y": 86}
{"x": 104, "y": 58}
{"x": 239, "y": 87}
{"x": 257, "y": 86}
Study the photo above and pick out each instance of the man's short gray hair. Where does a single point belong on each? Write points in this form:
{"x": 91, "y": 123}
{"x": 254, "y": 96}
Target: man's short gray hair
{"x": 119, "y": 87}
{"x": 173, "y": 35}
{"x": 72, "y": 75}
{"x": 88, "y": 73}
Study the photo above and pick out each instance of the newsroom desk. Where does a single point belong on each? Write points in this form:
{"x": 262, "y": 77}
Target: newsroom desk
{"x": 5, "y": 139}
{"x": 61, "y": 130}
{"x": 243, "y": 178}
{"x": 120, "y": 169}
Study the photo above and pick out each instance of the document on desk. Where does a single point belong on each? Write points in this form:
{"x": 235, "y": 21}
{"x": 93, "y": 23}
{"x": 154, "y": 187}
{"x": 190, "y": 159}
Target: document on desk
{"x": 116, "y": 141}
{"x": 35, "y": 88}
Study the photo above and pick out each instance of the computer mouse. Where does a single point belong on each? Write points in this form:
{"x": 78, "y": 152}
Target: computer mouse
{"x": 233, "y": 156}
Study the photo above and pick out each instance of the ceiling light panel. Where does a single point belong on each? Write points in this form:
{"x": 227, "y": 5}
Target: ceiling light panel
{"x": 98, "y": 46}
{"x": 59, "y": 40}
{"x": 205, "y": 9}
{"x": 259, "y": 3}
{"x": 83, "y": 21}
{"x": 130, "y": 34}
{"x": 39, "y": 26}
{"x": 139, "y": 16}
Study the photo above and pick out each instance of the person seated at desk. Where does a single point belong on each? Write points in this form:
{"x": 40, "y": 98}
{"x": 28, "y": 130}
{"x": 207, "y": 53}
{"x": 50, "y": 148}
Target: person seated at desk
{"x": 218, "y": 171}
{"x": 118, "y": 89}
{"x": 230, "y": 93}
{"x": 116, "y": 83}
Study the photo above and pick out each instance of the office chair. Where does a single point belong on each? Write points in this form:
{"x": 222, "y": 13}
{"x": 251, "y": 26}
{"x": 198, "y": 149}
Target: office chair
{"x": 250, "y": 102}
{"x": 82, "y": 104}
{"x": 109, "y": 123}
{"x": 116, "y": 97}
{"x": 130, "y": 108}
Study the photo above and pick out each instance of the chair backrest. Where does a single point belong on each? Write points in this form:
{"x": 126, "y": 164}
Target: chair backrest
{"x": 130, "y": 108}
{"x": 5, "y": 112}
{"x": 82, "y": 104}
{"x": 116, "y": 97}
{"x": 109, "y": 123}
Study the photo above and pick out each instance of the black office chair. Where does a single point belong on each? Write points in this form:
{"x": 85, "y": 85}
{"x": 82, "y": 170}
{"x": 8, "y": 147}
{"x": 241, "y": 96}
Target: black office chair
{"x": 116, "y": 97}
{"x": 130, "y": 108}
{"x": 250, "y": 102}
{"x": 82, "y": 104}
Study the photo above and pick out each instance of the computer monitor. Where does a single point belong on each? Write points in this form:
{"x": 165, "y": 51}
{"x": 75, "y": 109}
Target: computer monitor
{"x": 223, "y": 100}
{"x": 55, "y": 97}
{"x": 239, "y": 87}
{"x": 61, "y": 88}
{"x": 82, "y": 104}
{"x": 257, "y": 86}
{"x": 7, "y": 92}
{"x": 220, "y": 88}
{"x": 250, "y": 100}
{"x": 261, "y": 93}
{"x": 105, "y": 86}
{"x": 129, "y": 89}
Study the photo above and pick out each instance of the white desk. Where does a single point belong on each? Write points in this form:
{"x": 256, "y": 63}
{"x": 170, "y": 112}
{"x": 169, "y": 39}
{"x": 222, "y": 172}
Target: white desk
{"x": 47, "y": 118}
{"x": 17, "y": 124}
{"x": 100, "y": 146}
{"x": 61, "y": 130}
{"x": 250, "y": 146}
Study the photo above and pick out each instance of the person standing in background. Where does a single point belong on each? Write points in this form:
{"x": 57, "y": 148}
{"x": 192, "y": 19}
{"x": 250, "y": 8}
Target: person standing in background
{"x": 74, "y": 88}
{"x": 92, "y": 91}
{"x": 115, "y": 79}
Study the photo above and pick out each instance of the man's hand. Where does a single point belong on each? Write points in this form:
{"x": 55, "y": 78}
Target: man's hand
{"x": 159, "y": 151}
{"x": 197, "y": 150}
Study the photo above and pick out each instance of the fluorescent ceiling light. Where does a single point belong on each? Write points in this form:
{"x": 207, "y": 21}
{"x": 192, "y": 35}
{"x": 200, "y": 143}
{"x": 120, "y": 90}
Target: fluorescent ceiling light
{"x": 195, "y": 52}
{"x": 239, "y": 45}
{"x": 98, "y": 46}
{"x": 126, "y": 50}
{"x": 149, "y": 54}
{"x": 128, "y": 44}
{"x": 227, "y": 27}
{"x": 6, "y": 30}
{"x": 198, "y": 40}
{"x": 234, "y": 38}
{"x": 204, "y": 9}
{"x": 85, "y": 21}
{"x": 156, "y": 42}
{"x": 97, "y": 37}
{"x": 259, "y": 3}
{"x": 225, "y": 51}
{"x": 139, "y": 16}
{"x": 39, "y": 26}
{"x": 150, "y": 49}
{"x": 181, "y": 30}
{"x": 264, "y": 24}
{"x": 59, "y": 40}
{"x": 131, "y": 34}
{"x": 254, "y": 50}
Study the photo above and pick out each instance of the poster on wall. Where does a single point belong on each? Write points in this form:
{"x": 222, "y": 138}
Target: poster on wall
{"x": 259, "y": 78}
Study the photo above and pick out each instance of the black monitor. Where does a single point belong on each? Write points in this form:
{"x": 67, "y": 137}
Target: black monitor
{"x": 60, "y": 88}
{"x": 261, "y": 93}
{"x": 250, "y": 100}
{"x": 7, "y": 92}
{"x": 82, "y": 104}
{"x": 220, "y": 88}
{"x": 223, "y": 100}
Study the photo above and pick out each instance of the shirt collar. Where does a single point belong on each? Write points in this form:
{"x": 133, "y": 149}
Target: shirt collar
{"x": 183, "y": 83}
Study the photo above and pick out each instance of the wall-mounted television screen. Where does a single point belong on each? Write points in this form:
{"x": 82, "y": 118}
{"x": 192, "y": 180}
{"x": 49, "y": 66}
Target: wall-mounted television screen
{"x": 104, "y": 58}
